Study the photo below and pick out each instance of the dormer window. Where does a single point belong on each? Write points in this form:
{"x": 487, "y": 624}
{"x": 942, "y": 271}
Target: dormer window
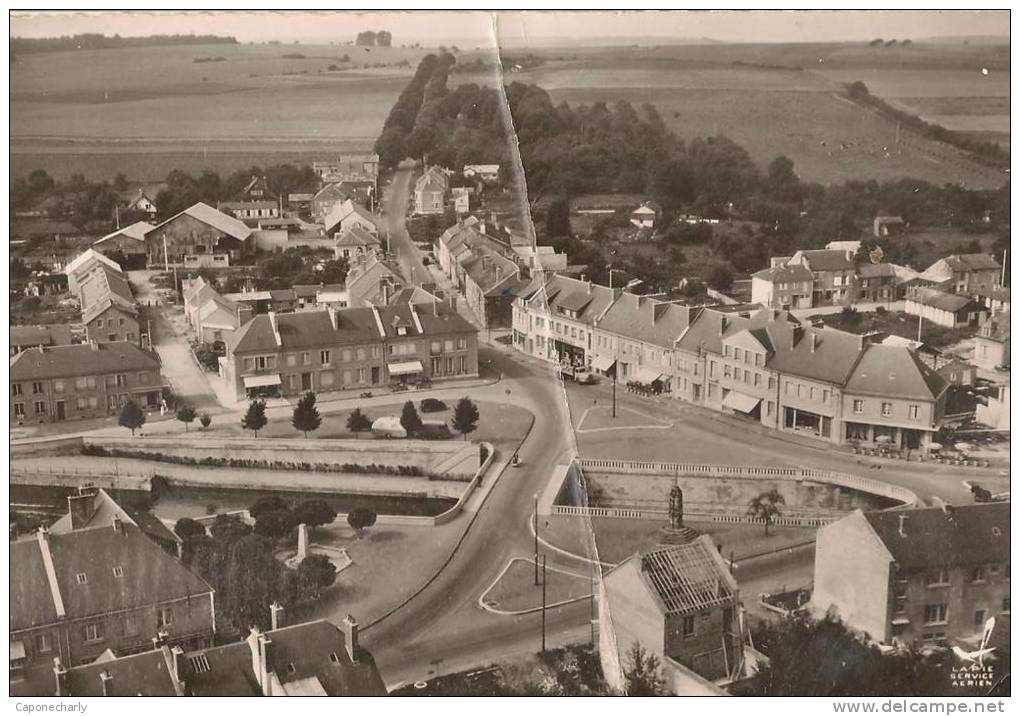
{"x": 118, "y": 571}
{"x": 401, "y": 330}
{"x": 82, "y": 578}
{"x": 291, "y": 668}
{"x": 333, "y": 657}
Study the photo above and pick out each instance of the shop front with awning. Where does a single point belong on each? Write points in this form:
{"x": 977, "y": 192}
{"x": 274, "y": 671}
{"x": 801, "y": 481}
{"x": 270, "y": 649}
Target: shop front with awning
{"x": 650, "y": 377}
{"x": 403, "y": 370}
{"x": 741, "y": 403}
{"x": 603, "y": 364}
{"x": 262, "y": 386}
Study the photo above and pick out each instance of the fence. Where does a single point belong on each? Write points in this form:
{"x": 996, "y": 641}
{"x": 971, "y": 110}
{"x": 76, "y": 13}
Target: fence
{"x": 728, "y": 517}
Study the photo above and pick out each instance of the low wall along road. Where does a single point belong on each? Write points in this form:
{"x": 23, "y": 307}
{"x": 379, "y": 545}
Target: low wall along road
{"x": 639, "y": 490}
{"x": 459, "y": 462}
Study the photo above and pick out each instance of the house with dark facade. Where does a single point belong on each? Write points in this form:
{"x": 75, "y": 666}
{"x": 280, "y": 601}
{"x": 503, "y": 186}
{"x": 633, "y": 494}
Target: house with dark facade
{"x": 681, "y": 604}
{"x": 917, "y": 575}
{"x": 198, "y": 235}
{"x": 321, "y": 351}
{"x": 967, "y": 274}
{"x": 82, "y": 381}
{"x": 91, "y": 592}
{"x": 876, "y": 283}
{"x": 127, "y": 244}
{"x": 833, "y": 273}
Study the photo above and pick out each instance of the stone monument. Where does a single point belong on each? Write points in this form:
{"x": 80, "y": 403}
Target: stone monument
{"x": 676, "y": 532}
{"x": 302, "y": 541}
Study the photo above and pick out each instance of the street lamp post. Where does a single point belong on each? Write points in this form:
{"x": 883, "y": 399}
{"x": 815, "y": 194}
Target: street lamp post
{"x": 536, "y": 539}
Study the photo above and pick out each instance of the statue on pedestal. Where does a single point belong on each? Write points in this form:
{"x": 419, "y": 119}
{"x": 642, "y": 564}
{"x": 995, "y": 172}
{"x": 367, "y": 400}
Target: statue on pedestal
{"x": 676, "y": 507}
{"x": 676, "y": 532}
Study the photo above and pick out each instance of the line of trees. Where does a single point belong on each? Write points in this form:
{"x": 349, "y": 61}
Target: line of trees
{"x": 369, "y": 38}
{"x": 987, "y": 152}
{"x": 99, "y": 41}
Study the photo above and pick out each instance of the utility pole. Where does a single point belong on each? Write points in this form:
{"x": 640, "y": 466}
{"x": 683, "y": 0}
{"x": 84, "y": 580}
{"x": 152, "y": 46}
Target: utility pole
{"x": 920, "y": 321}
{"x": 543, "y": 605}
{"x": 536, "y": 539}
{"x": 1002, "y": 278}
{"x": 616, "y": 371}
{"x": 591, "y": 608}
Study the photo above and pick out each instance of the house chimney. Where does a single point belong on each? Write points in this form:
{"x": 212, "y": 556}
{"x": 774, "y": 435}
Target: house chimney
{"x": 81, "y": 507}
{"x": 107, "y": 679}
{"x": 276, "y": 615}
{"x": 92, "y": 344}
{"x": 266, "y": 651}
{"x": 722, "y": 325}
{"x": 903, "y": 524}
{"x": 118, "y": 525}
{"x": 177, "y": 661}
{"x": 499, "y": 271}
{"x": 350, "y": 629}
{"x": 814, "y": 342}
{"x": 59, "y": 677}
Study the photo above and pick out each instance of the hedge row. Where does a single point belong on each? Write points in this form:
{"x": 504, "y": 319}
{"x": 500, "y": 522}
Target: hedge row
{"x": 249, "y": 463}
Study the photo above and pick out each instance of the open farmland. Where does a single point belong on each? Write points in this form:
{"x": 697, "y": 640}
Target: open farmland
{"x": 771, "y": 112}
{"x": 964, "y": 100}
{"x": 786, "y": 99}
{"x": 147, "y": 110}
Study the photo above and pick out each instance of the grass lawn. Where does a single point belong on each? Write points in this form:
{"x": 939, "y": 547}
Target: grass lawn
{"x": 896, "y": 323}
{"x": 618, "y": 539}
{"x": 516, "y": 591}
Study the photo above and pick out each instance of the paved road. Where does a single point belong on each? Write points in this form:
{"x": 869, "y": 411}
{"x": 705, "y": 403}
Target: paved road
{"x": 443, "y": 627}
{"x": 702, "y": 436}
{"x": 188, "y": 379}
{"x": 395, "y": 199}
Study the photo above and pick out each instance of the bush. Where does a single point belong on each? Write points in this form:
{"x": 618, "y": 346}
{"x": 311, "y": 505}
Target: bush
{"x": 432, "y": 405}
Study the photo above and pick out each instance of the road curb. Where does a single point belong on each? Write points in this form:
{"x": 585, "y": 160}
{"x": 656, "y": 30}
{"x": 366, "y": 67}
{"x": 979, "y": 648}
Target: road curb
{"x": 456, "y": 547}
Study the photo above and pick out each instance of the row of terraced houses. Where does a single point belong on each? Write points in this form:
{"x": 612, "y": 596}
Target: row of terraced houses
{"x": 744, "y": 359}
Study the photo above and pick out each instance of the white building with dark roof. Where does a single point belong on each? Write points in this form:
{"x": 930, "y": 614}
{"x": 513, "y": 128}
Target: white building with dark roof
{"x": 949, "y": 310}
{"x": 916, "y": 575}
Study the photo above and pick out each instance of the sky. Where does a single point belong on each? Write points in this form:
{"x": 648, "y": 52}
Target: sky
{"x": 472, "y": 29}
